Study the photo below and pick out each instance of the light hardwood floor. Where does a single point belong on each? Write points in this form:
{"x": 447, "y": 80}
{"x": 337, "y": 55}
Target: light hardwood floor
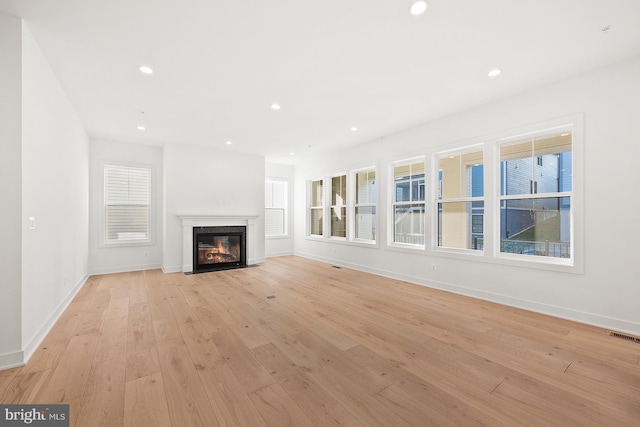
{"x": 294, "y": 342}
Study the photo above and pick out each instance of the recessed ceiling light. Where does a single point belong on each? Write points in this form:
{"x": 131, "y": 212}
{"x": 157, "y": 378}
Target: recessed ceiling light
{"x": 495, "y": 72}
{"x": 146, "y": 70}
{"x": 605, "y": 28}
{"x": 141, "y": 128}
{"x": 354, "y": 129}
{"x": 292, "y": 153}
{"x": 275, "y": 106}
{"x": 229, "y": 142}
{"x": 418, "y": 7}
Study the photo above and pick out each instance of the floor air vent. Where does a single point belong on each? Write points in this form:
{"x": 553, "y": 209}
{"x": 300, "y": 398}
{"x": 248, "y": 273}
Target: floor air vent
{"x": 336, "y": 266}
{"x": 625, "y": 336}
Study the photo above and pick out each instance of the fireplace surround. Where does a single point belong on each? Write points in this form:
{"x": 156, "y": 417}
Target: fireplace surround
{"x": 189, "y": 222}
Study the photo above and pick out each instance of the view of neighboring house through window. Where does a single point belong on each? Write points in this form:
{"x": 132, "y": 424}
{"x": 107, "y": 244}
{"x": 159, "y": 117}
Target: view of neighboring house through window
{"x": 126, "y": 204}
{"x": 339, "y": 206}
{"x": 461, "y": 199}
{"x": 365, "y": 204}
{"x": 409, "y": 202}
{"x": 535, "y": 195}
{"x": 275, "y": 204}
{"x": 316, "y": 207}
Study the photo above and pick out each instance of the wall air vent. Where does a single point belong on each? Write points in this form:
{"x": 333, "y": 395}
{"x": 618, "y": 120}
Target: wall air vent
{"x": 625, "y": 336}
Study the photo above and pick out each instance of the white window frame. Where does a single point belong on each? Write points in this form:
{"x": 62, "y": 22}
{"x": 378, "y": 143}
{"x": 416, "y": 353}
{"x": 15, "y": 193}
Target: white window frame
{"x": 344, "y": 204}
{"x": 353, "y": 205}
{"x": 285, "y": 208}
{"x": 438, "y": 196}
{"x": 311, "y": 207}
{"x": 534, "y": 196}
{"x": 104, "y": 241}
{"x": 392, "y": 205}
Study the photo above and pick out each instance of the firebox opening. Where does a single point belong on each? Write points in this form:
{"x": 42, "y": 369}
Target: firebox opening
{"x": 217, "y": 248}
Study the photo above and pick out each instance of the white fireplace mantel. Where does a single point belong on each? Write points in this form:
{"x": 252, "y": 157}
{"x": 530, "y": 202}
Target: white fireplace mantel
{"x": 190, "y": 221}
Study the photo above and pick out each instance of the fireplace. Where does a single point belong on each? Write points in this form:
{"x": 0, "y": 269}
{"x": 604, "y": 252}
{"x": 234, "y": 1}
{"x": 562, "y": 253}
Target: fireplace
{"x": 219, "y": 248}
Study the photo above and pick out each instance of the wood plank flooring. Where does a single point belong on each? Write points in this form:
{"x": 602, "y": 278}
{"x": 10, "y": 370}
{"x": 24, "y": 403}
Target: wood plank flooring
{"x": 294, "y": 342}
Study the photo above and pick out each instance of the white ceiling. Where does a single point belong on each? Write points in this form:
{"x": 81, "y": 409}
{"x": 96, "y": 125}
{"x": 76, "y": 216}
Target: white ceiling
{"x": 330, "y": 64}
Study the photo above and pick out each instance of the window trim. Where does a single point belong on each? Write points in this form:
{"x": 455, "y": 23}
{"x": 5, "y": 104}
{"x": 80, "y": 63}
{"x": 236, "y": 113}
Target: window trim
{"x": 437, "y": 194}
{"x": 491, "y": 254}
{"x": 391, "y": 243}
{"x": 353, "y": 205}
{"x": 287, "y": 208}
{"x": 570, "y": 262}
{"x": 345, "y": 205}
{"x": 102, "y": 229}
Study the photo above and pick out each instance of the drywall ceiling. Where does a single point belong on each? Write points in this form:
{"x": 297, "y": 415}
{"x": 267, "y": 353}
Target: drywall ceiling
{"x": 331, "y": 65}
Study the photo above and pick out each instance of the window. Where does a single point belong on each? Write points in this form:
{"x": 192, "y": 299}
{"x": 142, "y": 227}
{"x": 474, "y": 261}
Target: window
{"x": 127, "y": 204}
{"x": 316, "y": 207}
{"x": 536, "y": 195}
{"x": 409, "y": 202}
{"x": 275, "y": 208}
{"x": 461, "y": 199}
{"x": 365, "y": 205}
{"x": 339, "y": 206}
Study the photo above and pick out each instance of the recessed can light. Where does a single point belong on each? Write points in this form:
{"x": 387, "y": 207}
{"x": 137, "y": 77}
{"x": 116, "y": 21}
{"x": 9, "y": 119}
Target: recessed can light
{"x": 292, "y": 153}
{"x": 495, "y": 72}
{"x": 146, "y": 70}
{"x": 141, "y": 128}
{"x": 418, "y": 7}
{"x": 354, "y": 129}
{"x": 228, "y": 142}
{"x": 275, "y": 106}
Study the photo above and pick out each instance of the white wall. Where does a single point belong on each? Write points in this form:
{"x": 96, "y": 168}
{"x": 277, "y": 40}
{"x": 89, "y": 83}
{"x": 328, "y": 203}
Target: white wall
{"x": 11, "y": 224}
{"x": 55, "y": 191}
{"x": 279, "y": 246}
{"x": 204, "y": 181}
{"x": 124, "y": 258}
{"x": 607, "y": 293}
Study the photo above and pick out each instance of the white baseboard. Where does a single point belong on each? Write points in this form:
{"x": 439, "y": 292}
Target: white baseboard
{"x": 551, "y": 310}
{"x": 124, "y": 269}
{"x": 20, "y": 358}
{"x": 37, "y": 339}
{"x": 11, "y": 360}
{"x": 277, "y": 254}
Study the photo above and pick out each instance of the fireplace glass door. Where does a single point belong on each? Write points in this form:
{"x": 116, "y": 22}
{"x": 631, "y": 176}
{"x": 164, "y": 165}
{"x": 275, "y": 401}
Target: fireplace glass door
{"x": 216, "y": 248}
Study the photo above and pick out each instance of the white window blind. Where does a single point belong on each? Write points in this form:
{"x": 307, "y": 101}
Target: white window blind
{"x": 126, "y": 202}
{"x": 275, "y": 203}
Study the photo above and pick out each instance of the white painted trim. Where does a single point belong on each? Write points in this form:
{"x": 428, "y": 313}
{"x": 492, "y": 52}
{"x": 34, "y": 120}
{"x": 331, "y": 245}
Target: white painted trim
{"x": 125, "y": 269}
{"x": 278, "y": 254}
{"x": 20, "y": 358}
{"x": 37, "y": 339}
{"x": 550, "y": 310}
{"x": 11, "y": 360}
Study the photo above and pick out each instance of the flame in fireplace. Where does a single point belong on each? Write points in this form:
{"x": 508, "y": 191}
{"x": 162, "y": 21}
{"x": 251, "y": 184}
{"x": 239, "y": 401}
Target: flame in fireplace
{"x": 222, "y": 250}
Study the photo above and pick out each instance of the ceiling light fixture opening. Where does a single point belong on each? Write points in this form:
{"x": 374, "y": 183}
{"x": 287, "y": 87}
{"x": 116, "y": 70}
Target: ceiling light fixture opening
{"x": 292, "y": 153}
{"x": 275, "y": 106}
{"x": 418, "y": 7}
{"x": 228, "y": 142}
{"x": 146, "y": 70}
{"x": 354, "y": 129}
{"x": 141, "y": 127}
{"x": 495, "y": 72}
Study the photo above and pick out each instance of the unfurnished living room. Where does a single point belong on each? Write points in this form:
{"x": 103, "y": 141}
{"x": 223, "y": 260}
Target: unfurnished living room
{"x": 296, "y": 213}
